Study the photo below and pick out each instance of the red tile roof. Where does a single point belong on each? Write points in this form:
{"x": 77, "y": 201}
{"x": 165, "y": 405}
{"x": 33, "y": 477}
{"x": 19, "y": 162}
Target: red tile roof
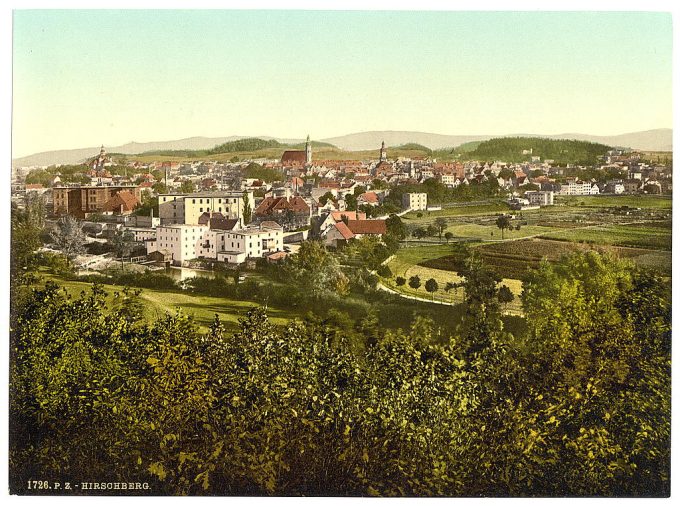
{"x": 351, "y": 215}
{"x": 294, "y": 156}
{"x": 125, "y": 198}
{"x": 271, "y": 205}
{"x": 343, "y": 230}
{"x": 367, "y": 226}
{"x": 369, "y": 197}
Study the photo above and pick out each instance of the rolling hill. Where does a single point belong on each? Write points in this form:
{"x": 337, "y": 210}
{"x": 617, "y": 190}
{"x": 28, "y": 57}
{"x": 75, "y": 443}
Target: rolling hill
{"x": 650, "y": 140}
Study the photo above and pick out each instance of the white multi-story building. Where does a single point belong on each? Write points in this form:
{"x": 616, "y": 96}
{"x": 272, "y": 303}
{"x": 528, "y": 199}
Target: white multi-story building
{"x": 238, "y": 245}
{"x": 575, "y": 187}
{"x": 540, "y": 197}
{"x": 414, "y": 201}
{"x": 187, "y": 208}
{"x": 185, "y": 242}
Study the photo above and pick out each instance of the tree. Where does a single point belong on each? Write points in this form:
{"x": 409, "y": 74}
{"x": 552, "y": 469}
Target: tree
{"x": 505, "y": 295}
{"x": 68, "y": 236}
{"x": 395, "y": 226}
{"x": 431, "y": 286}
{"x": 503, "y": 222}
{"x": 328, "y": 196}
{"x": 247, "y": 210}
{"x": 160, "y": 187}
{"x": 187, "y": 187}
{"x": 350, "y": 202}
{"x": 419, "y": 232}
{"x": 26, "y": 228}
{"x": 414, "y": 282}
{"x": 431, "y": 230}
{"x": 440, "y": 223}
{"x": 123, "y": 242}
{"x": 448, "y": 235}
{"x": 400, "y": 280}
{"x": 316, "y": 271}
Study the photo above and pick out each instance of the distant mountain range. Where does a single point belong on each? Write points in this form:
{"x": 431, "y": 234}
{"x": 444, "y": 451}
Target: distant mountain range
{"x": 648, "y": 140}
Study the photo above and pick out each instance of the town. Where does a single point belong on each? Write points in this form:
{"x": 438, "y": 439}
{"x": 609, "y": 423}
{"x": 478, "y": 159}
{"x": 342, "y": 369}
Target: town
{"x": 199, "y": 213}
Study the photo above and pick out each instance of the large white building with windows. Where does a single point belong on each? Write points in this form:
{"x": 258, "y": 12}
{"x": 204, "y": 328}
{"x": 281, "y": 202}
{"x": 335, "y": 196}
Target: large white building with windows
{"x": 185, "y": 242}
{"x": 414, "y": 201}
{"x": 187, "y": 208}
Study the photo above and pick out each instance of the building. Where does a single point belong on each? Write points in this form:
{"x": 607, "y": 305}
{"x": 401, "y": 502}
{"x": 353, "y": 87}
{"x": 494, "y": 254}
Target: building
{"x": 185, "y": 242}
{"x": 337, "y": 234}
{"x": 414, "y": 201}
{"x": 540, "y": 197}
{"x": 383, "y": 152}
{"x": 123, "y": 202}
{"x": 362, "y": 228}
{"x": 79, "y": 201}
{"x": 187, "y": 208}
{"x": 253, "y": 242}
{"x": 288, "y": 212}
{"x": 298, "y": 157}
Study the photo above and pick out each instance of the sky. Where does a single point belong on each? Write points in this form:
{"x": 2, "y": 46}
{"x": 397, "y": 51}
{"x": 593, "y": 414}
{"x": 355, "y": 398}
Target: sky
{"x": 89, "y": 77}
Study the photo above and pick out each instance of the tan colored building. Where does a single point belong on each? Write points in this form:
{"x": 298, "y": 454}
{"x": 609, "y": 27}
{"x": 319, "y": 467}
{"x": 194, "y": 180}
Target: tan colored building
{"x": 85, "y": 199}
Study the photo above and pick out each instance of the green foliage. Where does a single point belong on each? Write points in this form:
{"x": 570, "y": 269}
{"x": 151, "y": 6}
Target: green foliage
{"x": 503, "y": 222}
{"x": 563, "y": 152}
{"x": 68, "y": 236}
{"x": 579, "y": 406}
{"x": 255, "y": 170}
{"x": 187, "y": 187}
{"x": 400, "y": 280}
{"x": 316, "y": 271}
{"x": 414, "y": 282}
{"x": 247, "y": 209}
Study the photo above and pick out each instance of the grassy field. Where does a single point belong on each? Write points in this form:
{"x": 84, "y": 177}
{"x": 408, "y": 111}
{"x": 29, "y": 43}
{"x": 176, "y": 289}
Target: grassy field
{"x": 632, "y": 201}
{"x": 203, "y": 308}
{"x": 428, "y": 217}
{"x": 631, "y": 235}
{"x": 512, "y": 259}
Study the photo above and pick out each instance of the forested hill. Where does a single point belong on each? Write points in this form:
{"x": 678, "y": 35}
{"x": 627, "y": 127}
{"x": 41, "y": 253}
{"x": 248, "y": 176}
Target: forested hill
{"x": 514, "y": 149}
{"x": 251, "y": 144}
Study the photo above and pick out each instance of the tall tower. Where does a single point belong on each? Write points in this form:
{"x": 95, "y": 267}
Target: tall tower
{"x": 383, "y": 152}
{"x": 308, "y": 151}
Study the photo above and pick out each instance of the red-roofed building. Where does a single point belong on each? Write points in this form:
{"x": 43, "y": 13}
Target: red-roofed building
{"x": 123, "y": 202}
{"x": 367, "y": 227}
{"x": 369, "y": 198}
{"x": 338, "y": 234}
{"x": 290, "y": 213}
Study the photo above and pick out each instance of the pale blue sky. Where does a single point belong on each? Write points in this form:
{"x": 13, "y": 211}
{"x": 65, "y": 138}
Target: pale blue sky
{"x": 83, "y": 78}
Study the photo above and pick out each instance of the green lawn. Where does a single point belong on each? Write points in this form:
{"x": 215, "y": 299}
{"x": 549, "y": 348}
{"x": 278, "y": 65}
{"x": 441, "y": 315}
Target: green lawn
{"x": 203, "y": 308}
{"x": 632, "y": 201}
{"x": 428, "y": 217}
{"x": 633, "y": 235}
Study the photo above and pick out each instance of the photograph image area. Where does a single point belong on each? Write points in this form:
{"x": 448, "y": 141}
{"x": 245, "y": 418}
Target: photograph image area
{"x": 340, "y": 253}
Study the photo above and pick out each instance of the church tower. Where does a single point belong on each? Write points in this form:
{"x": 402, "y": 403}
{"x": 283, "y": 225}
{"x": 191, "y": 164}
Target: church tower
{"x": 383, "y": 152}
{"x": 308, "y": 151}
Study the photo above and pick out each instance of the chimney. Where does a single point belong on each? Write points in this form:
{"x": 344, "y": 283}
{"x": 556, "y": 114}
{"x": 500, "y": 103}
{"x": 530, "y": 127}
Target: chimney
{"x": 121, "y": 209}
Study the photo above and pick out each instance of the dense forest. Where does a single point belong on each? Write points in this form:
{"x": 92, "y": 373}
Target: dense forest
{"x": 563, "y": 152}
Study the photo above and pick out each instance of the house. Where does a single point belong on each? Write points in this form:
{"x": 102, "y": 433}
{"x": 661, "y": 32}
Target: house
{"x": 338, "y": 216}
{"x": 414, "y": 201}
{"x": 338, "y": 234}
{"x": 368, "y": 198}
{"x": 122, "y": 202}
{"x": 184, "y": 242}
{"x": 362, "y": 228}
{"x": 288, "y": 212}
{"x": 540, "y": 198}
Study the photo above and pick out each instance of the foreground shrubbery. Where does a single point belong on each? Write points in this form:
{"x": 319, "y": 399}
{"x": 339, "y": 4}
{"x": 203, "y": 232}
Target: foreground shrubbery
{"x": 580, "y": 405}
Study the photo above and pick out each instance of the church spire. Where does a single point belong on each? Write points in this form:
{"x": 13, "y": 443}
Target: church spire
{"x": 308, "y": 151}
{"x": 383, "y": 152}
